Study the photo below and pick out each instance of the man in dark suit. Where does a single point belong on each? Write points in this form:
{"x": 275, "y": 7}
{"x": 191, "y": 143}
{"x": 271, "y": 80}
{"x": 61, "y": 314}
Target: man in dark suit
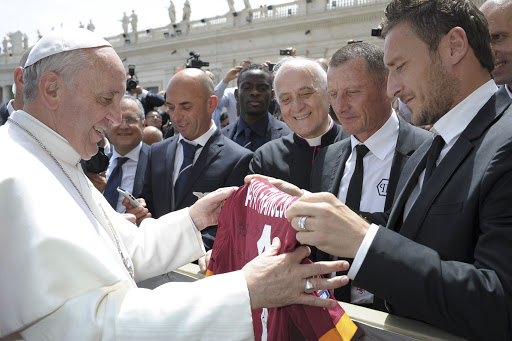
{"x": 16, "y": 103}
{"x": 256, "y": 125}
{"x": 215, "y": 161}
{"x": 128, "y": 148}
{"x": 444, "y": 256}
{"x": 301, "y": 90}
{"x": 357, "y": 81}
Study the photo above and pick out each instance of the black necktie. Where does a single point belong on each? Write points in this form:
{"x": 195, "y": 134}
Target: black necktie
{"x": 432, "y": 156}
{"x": 114, "y": 181}
{"x": 247, "y": 141}
{"x": 189, "y": 151}
{"x": 356, "y": 182}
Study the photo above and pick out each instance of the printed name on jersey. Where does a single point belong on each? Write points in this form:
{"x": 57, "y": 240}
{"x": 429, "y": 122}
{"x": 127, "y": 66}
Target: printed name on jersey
{"x": 267, "y": 201}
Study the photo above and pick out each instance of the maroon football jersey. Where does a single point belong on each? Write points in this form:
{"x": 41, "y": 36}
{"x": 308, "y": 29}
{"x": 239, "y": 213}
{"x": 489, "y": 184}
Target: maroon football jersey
{"x": 249, "y": 220}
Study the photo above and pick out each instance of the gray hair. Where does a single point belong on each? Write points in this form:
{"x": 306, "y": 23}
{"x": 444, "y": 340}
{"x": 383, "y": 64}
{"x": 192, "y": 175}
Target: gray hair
{"x": 139, "y": 104}
{"x": 373, "y": 55}
{"x": 318, "y": 74}
{"x": 67, "y": 64}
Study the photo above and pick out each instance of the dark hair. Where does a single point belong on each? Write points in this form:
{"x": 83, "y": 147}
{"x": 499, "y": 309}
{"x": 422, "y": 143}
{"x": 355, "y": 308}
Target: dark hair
{"x": 433, "y": 19}
{"x": 373, "y": 55}
{"x": 255, "y": 67}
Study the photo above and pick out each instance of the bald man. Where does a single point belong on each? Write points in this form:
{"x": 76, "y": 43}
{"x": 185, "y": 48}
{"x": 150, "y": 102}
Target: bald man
{"x": 499, "y": 16}
{"x": 152, "y": 135}
{"x": 216, "y": 161}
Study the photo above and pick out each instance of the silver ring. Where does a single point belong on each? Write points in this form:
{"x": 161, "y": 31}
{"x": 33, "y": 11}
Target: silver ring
{"x": 309, "y": 287}
{"x": 302, "y": 224}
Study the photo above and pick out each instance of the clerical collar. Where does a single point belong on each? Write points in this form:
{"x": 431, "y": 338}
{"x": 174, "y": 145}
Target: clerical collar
{"x": 317, "y": 141}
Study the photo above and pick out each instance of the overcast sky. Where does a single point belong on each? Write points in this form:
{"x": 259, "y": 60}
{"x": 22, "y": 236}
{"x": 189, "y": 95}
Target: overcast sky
{"x": 29, "y": 16}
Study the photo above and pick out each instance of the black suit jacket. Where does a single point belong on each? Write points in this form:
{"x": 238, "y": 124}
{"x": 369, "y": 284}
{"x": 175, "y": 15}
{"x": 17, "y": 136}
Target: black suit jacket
{"x": 221, "y": 163}
{"x": 141, "y": 170}
{"x": 4, "y": 114}
{"x": 275, "y": 129}
{"x": 290, "y": 158}
{"x": 449, "y": 263}
{"x": 330, "y": 165}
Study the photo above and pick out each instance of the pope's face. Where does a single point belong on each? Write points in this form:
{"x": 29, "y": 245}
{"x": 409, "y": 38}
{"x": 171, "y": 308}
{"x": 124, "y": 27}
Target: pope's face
{"x": 92, "y": 102}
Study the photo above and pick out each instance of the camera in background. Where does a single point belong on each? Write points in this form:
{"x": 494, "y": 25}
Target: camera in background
{"x": 132, "y": 82}
{"x": 195, "y": 62}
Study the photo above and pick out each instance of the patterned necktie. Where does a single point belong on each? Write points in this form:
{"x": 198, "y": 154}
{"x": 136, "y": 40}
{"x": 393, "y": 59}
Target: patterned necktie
{"x": 432, "y": 156}
{"x": 355, "y": 187}
{"x": 189, "y": 151}
{"x": 114, "y": 181}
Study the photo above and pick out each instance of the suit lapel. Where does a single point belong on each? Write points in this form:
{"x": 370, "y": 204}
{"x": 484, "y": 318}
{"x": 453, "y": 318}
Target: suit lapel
{"x": 272, "y": 130}
{"x": 141, "y": 170}
{"x": 414, "y": 168}
{"x": 403, "y": 150}
{"x": 485, "y": 118}
{"x": 339, "y": 168}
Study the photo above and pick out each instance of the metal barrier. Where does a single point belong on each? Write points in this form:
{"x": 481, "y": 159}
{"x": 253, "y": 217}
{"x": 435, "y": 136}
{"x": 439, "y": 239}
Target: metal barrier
{"x": 373, "y": 325}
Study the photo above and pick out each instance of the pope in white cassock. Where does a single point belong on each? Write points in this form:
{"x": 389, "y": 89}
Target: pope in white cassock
{"x": 69, "y": 262}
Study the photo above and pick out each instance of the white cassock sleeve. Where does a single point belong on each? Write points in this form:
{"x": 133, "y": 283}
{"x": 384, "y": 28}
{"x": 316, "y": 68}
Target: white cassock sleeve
{"x": 60, "y": 279}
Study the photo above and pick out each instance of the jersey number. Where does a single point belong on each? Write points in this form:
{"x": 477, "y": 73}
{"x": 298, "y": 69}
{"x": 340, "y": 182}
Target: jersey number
{"x": 262, "y": 244}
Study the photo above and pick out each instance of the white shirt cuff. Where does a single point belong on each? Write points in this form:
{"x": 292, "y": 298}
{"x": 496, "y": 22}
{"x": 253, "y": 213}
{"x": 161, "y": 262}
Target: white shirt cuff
{"x": 363, "y": 250}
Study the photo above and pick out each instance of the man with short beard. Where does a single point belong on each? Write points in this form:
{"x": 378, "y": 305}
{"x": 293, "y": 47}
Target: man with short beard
{"x": 255, "y": 126}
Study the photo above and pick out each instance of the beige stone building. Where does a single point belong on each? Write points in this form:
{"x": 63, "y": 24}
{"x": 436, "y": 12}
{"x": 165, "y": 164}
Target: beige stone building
{"x": 316, "y": 28}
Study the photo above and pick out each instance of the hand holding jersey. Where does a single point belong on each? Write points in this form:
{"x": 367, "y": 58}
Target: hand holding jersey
{"x": 285, "y": 277}
{"x": 331, "y": 226}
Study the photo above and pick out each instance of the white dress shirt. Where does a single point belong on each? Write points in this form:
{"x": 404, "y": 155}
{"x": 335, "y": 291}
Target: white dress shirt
{"x": 129, "y": 169}
{"x": 376, "y": 164}
{"x": 202, "y": 140}
{"x": 377, "y": 168}
{"x": 450, "y": 127}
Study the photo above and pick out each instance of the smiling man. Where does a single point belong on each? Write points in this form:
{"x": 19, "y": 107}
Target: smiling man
{"x": 301, "y": 91}
{"x": 499, "y": 16}
{"x": 255, "y": 126}
{"x": 76, "y": 260}
{"x": 129, "y": 155}
{"x": 198, "y": 159}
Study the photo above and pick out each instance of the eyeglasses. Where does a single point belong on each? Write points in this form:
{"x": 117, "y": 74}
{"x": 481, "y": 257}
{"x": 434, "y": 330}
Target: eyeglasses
{"x": 129, "y": 120}
{"x": 156, "y": 117}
